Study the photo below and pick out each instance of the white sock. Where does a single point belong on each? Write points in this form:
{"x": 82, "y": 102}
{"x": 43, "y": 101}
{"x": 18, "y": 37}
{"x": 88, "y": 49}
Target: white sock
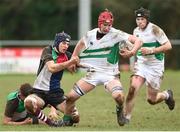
{"x": 166, "y": 94}
{"x": 128, "y": 116}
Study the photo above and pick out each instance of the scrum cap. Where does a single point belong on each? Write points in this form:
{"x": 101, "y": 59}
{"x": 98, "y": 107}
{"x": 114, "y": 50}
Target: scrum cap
{"x": 61, "y": 37}
{"x": 142, "y": 12}
{"x": 105, "y": 16}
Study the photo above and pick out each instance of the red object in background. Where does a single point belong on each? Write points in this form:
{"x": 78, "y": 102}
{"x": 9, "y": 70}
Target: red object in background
{"x": 20, "y": 52}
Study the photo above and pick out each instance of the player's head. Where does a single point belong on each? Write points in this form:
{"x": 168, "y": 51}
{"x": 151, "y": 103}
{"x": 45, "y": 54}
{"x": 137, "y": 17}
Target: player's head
{"x": 24, "y": 90}
{"x": 142, "y": 12}
{"x": 61, "y": 41}
{"x": 105, "y": 21}
{"x": 142, "y": 17}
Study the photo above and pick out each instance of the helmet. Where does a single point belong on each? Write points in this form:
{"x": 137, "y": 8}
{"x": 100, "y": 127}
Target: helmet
{"x": 105, "y": 16}
{"x": 142, "y": 12}
{"x": 61, "y": 37}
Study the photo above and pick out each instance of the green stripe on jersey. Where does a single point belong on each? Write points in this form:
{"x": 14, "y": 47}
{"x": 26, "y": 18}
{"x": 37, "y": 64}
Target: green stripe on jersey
{"x": 112, "y": 56}
{"x": 54, "y": 55}
{"x": 158, "y": 56}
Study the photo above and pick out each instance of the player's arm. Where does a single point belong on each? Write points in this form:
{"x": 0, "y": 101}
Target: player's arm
{"x": 80, "y": 45}
{"x": 55, "y": 67}
{"x": 8, "y": 114}
{"x": 8, "y": 121}
{"x": 163, "y": 48}
{"x": 137, "y": 43}
{"x": 53, "y": 114}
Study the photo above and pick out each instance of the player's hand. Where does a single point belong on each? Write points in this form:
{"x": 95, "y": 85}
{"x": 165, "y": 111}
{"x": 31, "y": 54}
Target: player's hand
{"x": 146, "y": 51}
{"x": 27, "y": 121}
{"x": 75, "y": 59}
{"x": 72, "y": 68}
{"x": 126, "y": 53}
{"x": 53, "y": 115}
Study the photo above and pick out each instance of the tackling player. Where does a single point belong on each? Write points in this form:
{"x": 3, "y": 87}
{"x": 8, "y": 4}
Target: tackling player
{"x": 47, "y": 87}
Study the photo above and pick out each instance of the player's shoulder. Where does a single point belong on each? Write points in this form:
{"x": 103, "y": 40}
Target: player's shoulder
{"x": 91, "y": 32}
{"x": 12, "y": 95}
{"x": 156, "y": 30}
{"x": 117, "y": 31}
{"x": 47, "y": 50}
{"x": 136, "y": 29}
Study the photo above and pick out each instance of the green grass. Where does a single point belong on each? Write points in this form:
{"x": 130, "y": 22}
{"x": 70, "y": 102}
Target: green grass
{"x": 97, "y": 108}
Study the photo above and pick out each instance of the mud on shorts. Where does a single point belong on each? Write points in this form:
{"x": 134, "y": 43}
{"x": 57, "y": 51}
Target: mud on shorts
{"x": 153, "y": 74}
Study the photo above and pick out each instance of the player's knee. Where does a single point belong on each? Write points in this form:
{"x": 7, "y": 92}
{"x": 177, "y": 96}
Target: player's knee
{"x": 118, "y": 94}
{"x": 30, "y": 104}
{"x": 77, "y": 92}
{"x": 150, "y": 101}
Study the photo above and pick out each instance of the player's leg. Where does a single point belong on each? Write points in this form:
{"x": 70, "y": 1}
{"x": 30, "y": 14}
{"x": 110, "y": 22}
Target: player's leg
{"x": 155, "y": 96}
{"x": 79, "y": 89}
{"x": 136, "y": 83}
{"x": 115, "y": 88}
{"x": 34, "y": 104}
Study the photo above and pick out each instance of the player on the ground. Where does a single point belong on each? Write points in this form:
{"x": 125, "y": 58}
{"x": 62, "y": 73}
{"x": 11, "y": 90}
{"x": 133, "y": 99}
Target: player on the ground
{"x": 15, "y": 112}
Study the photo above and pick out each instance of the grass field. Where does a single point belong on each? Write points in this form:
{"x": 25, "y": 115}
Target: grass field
{"x": 97, "y": 109}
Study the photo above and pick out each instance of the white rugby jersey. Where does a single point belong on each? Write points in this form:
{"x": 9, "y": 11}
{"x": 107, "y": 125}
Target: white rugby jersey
{"x": 104, "y": 53}
{"x": 153, "y": 36}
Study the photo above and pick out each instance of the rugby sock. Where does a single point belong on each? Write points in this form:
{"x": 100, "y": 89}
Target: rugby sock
{"x": 128, "y": 116}
{"x": 43, "y": 117}
{"x": 67, "y": 118}
{"x": 166, "y": 94}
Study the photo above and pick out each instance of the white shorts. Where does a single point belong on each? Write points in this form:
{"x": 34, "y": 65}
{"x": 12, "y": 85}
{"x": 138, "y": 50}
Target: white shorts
{"x": 99, "y": 78}
{"x": 153, "y": 74}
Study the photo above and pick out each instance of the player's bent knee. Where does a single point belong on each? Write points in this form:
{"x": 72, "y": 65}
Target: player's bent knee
{"x": 78, "y": 90}
{"x": 152, "y": 102}
{"x": 30, "y": 104}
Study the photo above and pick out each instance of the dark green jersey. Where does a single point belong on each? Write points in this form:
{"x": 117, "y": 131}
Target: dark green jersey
{"x": 15, "y": 106}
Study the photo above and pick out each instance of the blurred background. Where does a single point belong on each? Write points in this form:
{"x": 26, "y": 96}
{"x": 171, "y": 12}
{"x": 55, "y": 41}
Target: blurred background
{"x": 26, "y": 26}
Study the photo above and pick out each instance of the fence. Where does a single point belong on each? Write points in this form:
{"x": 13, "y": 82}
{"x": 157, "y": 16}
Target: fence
{"x": 22, "y": 56}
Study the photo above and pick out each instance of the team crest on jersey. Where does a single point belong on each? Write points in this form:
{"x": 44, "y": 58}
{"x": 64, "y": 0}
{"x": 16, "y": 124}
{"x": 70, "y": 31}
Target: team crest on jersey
{"x": 91, "y": 43}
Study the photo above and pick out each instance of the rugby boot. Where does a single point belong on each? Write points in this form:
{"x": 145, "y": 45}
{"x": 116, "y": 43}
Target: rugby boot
{"x": 59, "y": 123}
{"x": 170, "y": 101}
{"x": 120, "y": 116}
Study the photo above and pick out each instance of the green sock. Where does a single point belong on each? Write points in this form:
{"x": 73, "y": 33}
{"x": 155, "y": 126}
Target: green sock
{"x": 67, "y": 118}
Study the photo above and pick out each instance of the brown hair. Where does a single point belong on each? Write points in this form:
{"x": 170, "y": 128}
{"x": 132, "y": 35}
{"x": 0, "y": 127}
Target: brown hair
{"x": 26, "y": 89}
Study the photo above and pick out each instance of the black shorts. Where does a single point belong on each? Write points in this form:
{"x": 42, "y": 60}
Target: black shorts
{"x": 35, "y": 119}
{"x": 53, "y": 98}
